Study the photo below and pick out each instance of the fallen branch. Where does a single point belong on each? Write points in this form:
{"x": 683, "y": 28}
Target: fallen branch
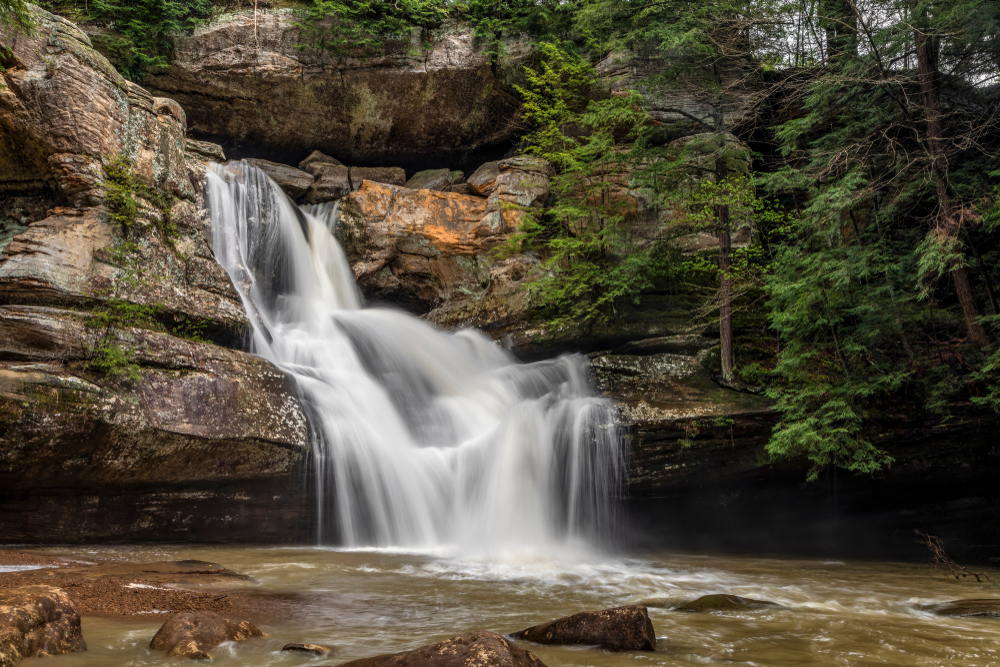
{"x": 940, "y": 558}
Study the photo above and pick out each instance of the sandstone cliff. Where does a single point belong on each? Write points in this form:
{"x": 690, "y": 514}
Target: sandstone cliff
{"x": 117, "y": 417}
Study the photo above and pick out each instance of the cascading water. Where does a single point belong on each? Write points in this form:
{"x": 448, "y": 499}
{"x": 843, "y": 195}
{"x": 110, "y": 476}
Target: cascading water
{"x": 421, "y": 437}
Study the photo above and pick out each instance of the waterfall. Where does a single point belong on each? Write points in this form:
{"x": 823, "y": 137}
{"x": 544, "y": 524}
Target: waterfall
{"x": 420, "y": 437}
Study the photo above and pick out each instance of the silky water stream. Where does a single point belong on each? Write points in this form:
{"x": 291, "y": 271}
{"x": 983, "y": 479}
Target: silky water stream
{"x": 464, "y": 491}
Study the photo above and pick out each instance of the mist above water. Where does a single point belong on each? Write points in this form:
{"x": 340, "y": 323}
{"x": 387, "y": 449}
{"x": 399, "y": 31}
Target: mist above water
{"x": 421, "y": 438}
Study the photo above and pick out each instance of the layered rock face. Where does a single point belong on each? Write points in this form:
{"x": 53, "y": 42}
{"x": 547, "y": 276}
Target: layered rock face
{"x": 117, "y": 417}
{"x": 245, "y": 77}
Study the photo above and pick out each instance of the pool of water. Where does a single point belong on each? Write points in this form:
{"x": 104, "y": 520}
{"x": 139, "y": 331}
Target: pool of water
{"x": 365, "y": 603}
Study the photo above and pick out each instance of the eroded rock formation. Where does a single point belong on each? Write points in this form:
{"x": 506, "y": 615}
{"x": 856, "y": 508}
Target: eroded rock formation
{"x": 245, "y": 76}
{"x": 110, "y": 392}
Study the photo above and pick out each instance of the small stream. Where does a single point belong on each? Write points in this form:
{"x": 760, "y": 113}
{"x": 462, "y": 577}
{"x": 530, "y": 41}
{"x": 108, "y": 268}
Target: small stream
{"x": 369, "y": 602}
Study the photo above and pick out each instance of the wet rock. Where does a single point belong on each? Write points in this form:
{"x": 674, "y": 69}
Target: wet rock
{"x": 619, "y": 629}
{"x": 193, "y": 634}
{"x": 203, "y": 150}
{"x": 332, "y": 182}
{"x": 293, "y": 181}
{"x": 37, "y": 621}
{"x": 430, "y": 179}
{"x": 473, "y": 649}
{"x": 386, "y": 175}
{"x": 984, "y": 608}
{"x": 722, "y": 602}
{"x": 314, "y": 649}
{"x": 316, "y": 157}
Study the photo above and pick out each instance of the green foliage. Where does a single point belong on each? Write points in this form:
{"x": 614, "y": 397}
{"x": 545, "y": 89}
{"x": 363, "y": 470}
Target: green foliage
{"x": 591, "y": 263}
{"x": 122, "y": 193}
{"x": 362, "y": 26}
{"x": 15, "y": 19}
{"x": 139, "y": 43}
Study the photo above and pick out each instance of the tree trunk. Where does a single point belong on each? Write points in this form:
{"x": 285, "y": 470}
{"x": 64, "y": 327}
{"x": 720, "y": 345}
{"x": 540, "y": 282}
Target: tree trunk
{"x": 840, "y": 23}
{"x": 947, "y": 219}
{"x": 725, "y": 294}
{"x": 725, "y": 261}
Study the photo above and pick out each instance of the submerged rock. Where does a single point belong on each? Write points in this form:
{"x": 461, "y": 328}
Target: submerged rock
{"x": 619, "y": 629}
{"x": 37, "y": 621}
{"x": 314, "y": 649}
{"x": 293, "y": 181}
{"x": 986, "y": 607}
{"x": 473, "y": 649}
{"x": 722, "y": 602}
{"x": 193, "y": 634}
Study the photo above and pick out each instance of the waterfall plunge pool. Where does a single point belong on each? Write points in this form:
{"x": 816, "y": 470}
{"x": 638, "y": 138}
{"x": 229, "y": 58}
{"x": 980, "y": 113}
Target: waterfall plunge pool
{"x": 365, "y": 603}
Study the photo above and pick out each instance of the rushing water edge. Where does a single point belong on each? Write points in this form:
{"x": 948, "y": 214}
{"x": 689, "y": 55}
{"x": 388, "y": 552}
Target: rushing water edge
{"x": 370, "y": 602}
{"x": 420, "y": 437}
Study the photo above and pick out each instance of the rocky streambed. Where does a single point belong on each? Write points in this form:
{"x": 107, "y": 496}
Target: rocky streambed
{"x": 364, "y": 604}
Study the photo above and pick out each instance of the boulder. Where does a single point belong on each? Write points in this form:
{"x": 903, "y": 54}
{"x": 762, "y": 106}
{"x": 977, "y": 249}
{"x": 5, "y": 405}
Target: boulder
{"x": 332, "y": 182}
{"x": 293, "y": 181}
{"x": 430, "y": 179}
{"x": 473, "y": 649}
{"x": 484, "y": 180}
{"x": 316, "y": 157}
{"x": 982, "y": 608}
{"x": 523, "y": 180}
{"x": 245, "y": 76}
{"x": 619, "y": 629}
{"x": 203, "y": 150}
{"x": 192, "y": 635}
{"x": 313, "y": 649}
{"x": 37, "y": 621}
{"x": 457, "y": 177}
{"x": 722, "y": 602}
{"x": 387, "y": 175}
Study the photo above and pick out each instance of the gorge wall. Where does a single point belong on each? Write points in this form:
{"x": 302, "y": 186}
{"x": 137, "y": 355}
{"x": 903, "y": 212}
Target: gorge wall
{"x": 202, "y": 441}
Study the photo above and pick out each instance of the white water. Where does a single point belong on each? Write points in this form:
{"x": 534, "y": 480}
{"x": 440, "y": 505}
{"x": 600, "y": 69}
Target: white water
{"x": 421, "y": 438}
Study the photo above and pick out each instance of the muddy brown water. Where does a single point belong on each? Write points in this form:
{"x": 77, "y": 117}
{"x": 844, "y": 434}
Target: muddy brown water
{"x": 369, "y": 602}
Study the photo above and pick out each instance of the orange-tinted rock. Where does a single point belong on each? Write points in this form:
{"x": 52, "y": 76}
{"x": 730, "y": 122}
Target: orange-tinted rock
{"x": 619, "y": 629}
{"x": 37, "y": 621}
{"x": 473, "y": 649}
{"x": 194, "y": 634}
